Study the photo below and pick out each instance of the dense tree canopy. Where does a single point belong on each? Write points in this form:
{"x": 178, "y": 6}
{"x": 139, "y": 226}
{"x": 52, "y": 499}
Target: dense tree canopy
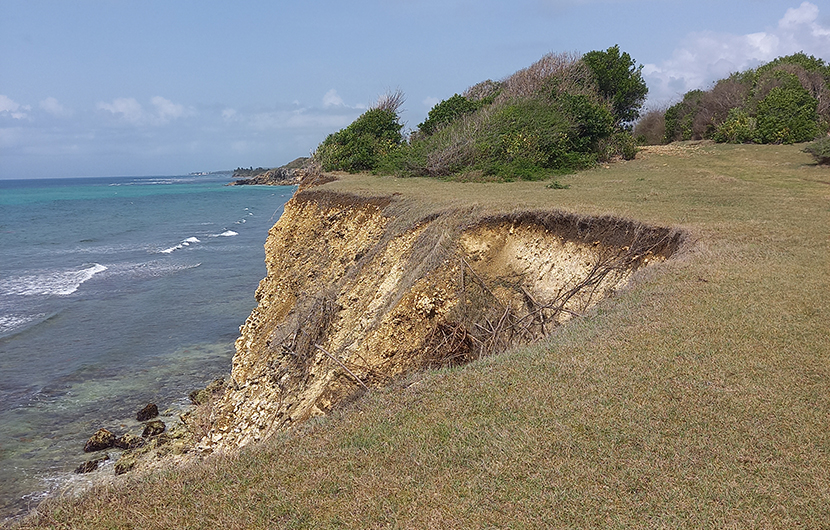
{"x": 620, "y": 81}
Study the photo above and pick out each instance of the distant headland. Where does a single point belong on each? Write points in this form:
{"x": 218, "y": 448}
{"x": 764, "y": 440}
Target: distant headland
{"x": 281, "y": 176}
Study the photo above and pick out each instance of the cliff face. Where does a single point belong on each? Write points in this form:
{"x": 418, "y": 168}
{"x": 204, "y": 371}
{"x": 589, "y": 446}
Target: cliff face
{"x": 361, "y": 290}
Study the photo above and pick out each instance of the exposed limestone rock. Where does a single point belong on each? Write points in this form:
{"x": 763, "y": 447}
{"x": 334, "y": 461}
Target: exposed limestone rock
{"x": 204, "y": 395}
{"x": 102, "y": 439}
{"x": 358, "y": 293}
{"x": 91, "y": 465}
{"x": 128, "y": 441}
{"x": 153, "y": 428}
{"x": 149, "y": 412}
{"x": 125, "y": 464}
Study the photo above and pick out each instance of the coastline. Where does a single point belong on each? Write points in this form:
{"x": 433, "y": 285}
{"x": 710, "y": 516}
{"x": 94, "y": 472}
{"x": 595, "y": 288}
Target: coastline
{"x": 156, "y": 320}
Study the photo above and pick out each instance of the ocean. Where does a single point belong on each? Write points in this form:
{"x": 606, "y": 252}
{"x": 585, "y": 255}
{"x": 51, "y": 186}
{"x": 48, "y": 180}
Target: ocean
{"x": 115, "y": 292}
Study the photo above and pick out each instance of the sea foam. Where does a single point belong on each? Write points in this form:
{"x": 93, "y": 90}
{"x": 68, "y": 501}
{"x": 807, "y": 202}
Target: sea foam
{"x": 49, "y": 283}
{"x": 187, "y": 242}
{"x": 15, "y": 322}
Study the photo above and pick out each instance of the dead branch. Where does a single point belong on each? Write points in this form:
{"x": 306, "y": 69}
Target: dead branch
{"x": 343, "y": 366}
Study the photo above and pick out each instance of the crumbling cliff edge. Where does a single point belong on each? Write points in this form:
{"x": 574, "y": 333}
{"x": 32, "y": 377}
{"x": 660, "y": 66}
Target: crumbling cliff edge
{"x": 361, "y": 290}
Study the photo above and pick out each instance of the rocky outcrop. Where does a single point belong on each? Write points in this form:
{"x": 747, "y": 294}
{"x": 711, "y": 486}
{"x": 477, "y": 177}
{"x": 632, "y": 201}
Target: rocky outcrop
{"x": 90, "y": 465}
{"x": 271, "y": 177}
{"x": 153, "y": 428}
{"x": 291, "y": 174}
{"x": 361, "y": 290}
{"x": 149, "y": 411}
{"x": 100, "y": 440}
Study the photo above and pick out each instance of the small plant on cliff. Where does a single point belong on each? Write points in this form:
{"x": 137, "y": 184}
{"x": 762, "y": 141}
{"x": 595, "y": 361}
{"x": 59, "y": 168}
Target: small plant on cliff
{"x": 371, "y": 137}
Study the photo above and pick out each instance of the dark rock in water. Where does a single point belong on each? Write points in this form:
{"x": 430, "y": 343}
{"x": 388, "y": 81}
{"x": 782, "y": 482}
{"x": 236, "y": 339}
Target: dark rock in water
{"x": 153, "y": 428}
{"x": 147, "y": 413}
{"x": 102, "y": 439}
{"x": 129, "y": 441}
{"x": 125, "y": 463}
{"x": 87, "y": 467}
{"x": 90, "y": 465}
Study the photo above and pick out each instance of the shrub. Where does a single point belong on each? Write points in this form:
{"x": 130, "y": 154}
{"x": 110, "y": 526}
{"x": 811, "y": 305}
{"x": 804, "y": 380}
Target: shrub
{"x": 820, "y": 149}
{"x": 546, "y": 119}
{"x": 533, "y": 137}
{"x": 447, "y": 111}
{"x": 524, "y": 135}
{"x": 787, "y": 115}
{"x": 486, "y": 91}
{"x": 738, "y": 128}
{"x": 552, "y": 74}
{"x": 363, "y": 144}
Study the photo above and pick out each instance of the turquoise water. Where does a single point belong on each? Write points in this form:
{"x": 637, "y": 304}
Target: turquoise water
{"x": 115, "y": 292}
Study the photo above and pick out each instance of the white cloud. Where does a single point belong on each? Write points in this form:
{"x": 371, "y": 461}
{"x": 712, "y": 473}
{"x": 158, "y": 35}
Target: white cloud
{"x": 166, "y": 109}
{"x": 331, "y": 99}
{"x": 807, "y": 13}
{"x": 128, "y": 109}
{"x": 705, "y": 57}
{"x": 14, "y": 109}
{"x": 229, "y": 114}
{"x": 131, "y": 111}
{"x": 53, "y": 107}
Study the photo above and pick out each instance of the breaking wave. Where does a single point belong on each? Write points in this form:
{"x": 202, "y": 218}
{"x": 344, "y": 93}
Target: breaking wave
{"x": 49, "y": 283}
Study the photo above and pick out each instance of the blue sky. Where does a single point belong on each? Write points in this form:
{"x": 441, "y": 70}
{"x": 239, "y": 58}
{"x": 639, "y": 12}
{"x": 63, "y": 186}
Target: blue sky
{"x": 117, "y": 87}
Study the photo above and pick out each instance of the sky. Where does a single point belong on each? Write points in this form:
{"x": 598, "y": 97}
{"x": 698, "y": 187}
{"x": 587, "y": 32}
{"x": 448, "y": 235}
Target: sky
{"x": 146, "y": 87}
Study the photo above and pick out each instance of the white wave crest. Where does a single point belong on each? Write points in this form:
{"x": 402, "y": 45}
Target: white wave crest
{"x": 187, "y": 242}
{"x": 11, "y": 323}
{"x": 59, "y": 283}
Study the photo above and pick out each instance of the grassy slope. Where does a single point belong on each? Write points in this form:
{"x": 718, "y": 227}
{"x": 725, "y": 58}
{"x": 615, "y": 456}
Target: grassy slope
{"x": 699, "y": 397}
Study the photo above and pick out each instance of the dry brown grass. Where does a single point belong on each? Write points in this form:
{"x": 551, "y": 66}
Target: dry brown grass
{"x": 697, "y": 398}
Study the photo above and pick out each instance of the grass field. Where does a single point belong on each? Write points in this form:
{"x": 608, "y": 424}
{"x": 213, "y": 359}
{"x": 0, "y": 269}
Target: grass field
{"x": 698, "y": 397}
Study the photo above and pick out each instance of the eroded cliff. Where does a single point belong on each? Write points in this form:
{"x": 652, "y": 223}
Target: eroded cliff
{"x": 361, "y": 290}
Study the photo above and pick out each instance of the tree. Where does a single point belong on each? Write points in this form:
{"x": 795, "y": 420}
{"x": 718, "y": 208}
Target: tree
{"x": 620, "y": 81}
{"x": 369, "y": 138}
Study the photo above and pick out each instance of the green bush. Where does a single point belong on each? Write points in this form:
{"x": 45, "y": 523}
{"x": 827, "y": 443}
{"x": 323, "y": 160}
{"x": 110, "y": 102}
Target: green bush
{"x": 739, "y": 128}
{"x": 787, "y": 115}
{"x": 447, "y": 111}
{"x": 522, "y": 136}
{"x": 820, "y": 149}
{"x": 530, "y": 138}
{"x": 807, "y": 62}
{"x": 363, "y": 144}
